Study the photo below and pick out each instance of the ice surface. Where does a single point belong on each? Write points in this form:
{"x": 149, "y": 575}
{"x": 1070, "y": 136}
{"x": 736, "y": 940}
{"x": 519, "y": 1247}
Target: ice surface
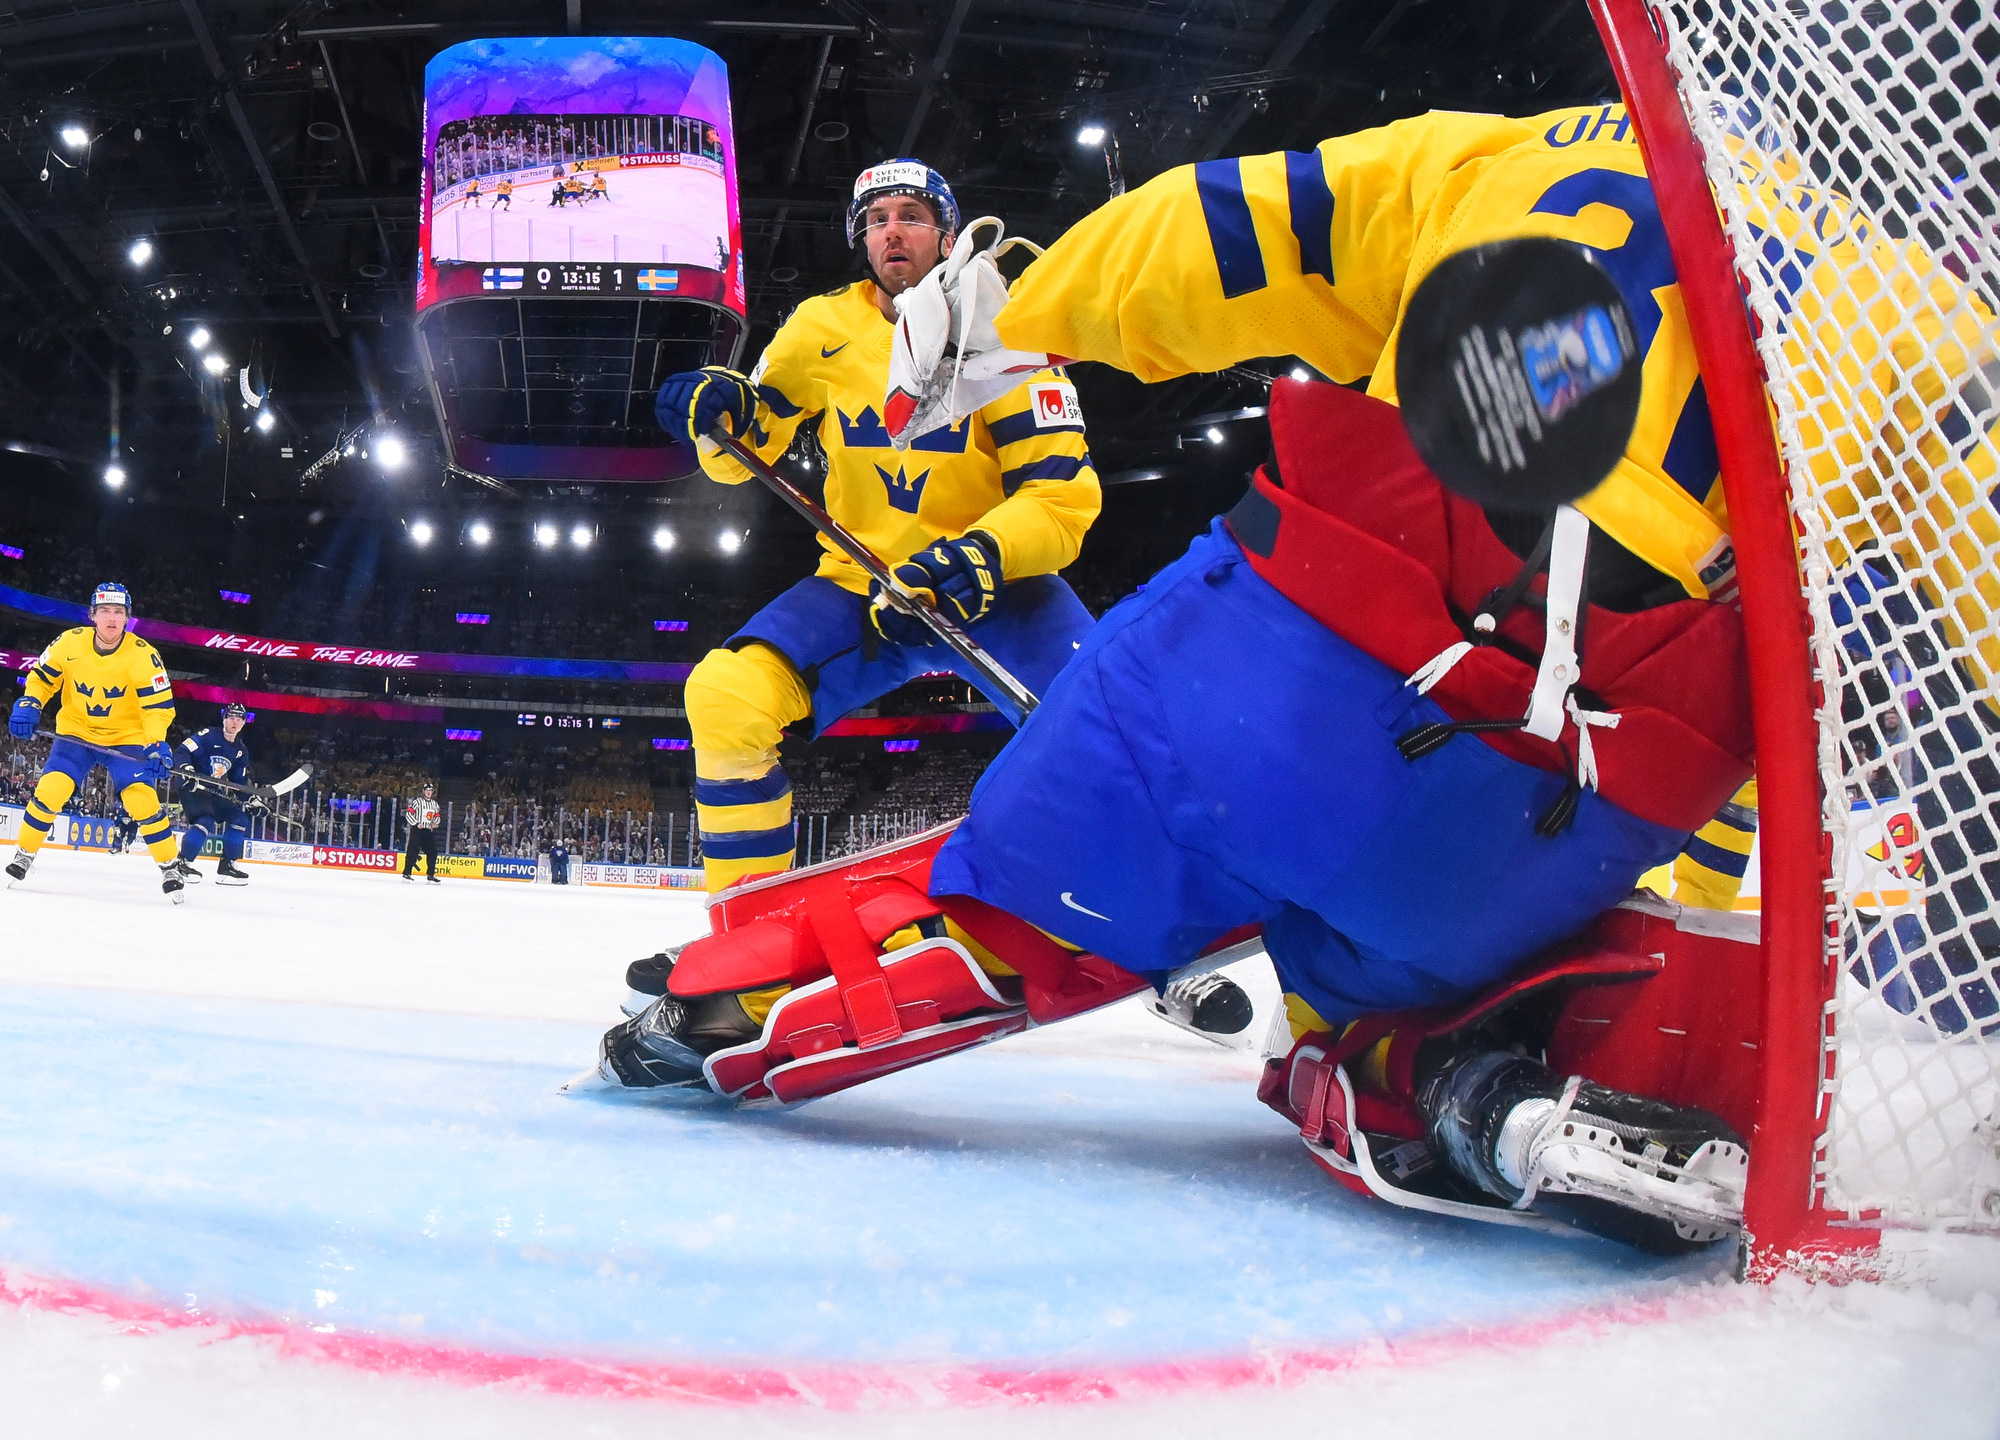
{"x": 289, "y": 1159}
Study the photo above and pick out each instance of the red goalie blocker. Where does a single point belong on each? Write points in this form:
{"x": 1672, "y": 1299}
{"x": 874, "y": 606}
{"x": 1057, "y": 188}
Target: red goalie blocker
{"x": 853, "y": 1013}
{"x": 1637, "y": 1003}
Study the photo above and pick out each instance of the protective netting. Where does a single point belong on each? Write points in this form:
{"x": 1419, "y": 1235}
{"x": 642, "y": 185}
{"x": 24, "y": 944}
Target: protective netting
{"x": 1849, "y": 146}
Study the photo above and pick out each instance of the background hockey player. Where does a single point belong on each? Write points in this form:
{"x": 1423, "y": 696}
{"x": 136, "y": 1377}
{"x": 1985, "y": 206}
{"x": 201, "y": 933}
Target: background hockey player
{"x": 987, "y": 510}
{"x": 421, "y": 817}
{"x": 215, "y": 752}
{"x": 1299, "y": 725}
{"x": 113, "y": 691}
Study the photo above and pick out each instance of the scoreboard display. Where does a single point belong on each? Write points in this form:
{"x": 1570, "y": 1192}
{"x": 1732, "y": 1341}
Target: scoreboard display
{"x": 566, "y": 720}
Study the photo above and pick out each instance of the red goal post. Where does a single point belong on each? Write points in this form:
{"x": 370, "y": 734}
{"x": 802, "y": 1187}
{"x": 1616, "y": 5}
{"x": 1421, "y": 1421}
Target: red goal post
{"x": 1817, "y": 82}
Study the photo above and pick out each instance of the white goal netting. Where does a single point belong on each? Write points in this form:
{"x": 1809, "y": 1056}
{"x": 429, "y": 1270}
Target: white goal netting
{"x": 1850, "y": 147}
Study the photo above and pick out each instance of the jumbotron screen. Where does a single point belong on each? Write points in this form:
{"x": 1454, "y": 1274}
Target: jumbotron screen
{"x": 579, "y": 165}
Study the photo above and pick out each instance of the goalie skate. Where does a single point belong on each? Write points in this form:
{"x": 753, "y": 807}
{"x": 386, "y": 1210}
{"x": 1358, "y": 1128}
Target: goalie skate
{"x": 1676, "y": 1165}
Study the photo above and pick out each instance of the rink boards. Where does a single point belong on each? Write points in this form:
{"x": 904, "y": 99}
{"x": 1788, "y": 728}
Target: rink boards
{"x": 84, "y": 832}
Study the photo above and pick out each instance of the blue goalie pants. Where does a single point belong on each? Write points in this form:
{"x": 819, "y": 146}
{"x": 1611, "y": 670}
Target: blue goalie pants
{"x": 1214, "y": 757}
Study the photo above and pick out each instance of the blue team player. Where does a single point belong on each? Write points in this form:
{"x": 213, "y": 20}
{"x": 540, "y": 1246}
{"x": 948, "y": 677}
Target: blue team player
{"x": 215, "y": 753}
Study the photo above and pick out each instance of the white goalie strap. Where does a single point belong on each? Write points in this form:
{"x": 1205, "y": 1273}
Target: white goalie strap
{"x": 946, "y": 359}
{"x": 1552, "y": 700}
{"x": 1559, "y": 669}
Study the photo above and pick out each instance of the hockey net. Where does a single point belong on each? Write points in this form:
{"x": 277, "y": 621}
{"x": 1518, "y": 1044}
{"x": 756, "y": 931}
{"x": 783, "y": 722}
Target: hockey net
{"x": 1846, "y": 152}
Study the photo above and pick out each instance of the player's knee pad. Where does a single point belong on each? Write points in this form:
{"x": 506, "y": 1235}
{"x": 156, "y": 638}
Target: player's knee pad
{"x": 853, "y": 1012}
{"x": 738, "y": 704}
{"x": 140, "y": 800}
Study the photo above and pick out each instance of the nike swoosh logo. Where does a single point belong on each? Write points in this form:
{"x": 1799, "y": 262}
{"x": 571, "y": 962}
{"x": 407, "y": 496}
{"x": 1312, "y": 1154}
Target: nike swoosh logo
{"x": 826, "y": 354}
{"x": 1085, "y": 909}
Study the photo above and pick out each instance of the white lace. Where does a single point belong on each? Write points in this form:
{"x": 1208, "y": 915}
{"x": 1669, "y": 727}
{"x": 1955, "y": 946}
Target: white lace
{"x": 1435, "y": 668}
{"x": 1586, "y": 758}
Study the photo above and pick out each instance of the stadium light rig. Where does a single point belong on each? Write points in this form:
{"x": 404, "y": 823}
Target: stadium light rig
{"x": 114, "y": 475}
{"x": 1215, "y": 435}
{"x": 1090, "y": 135}
{"x": 580, "y": 537}
{"x": 390, "y": 452}
{"x": 199, "y": 337}
{"x": 546, "y": 535}
{"x": 141, "y": 251}
{"x": 214, "y": 363}
{"x": 663, "y": 539}
{"x": 265, "y": 420}
{"x": 729, "y": 542}
{"x": 479, "y": 532}
{"x": 421, "y": 532}
{"x": 74, "y": 136}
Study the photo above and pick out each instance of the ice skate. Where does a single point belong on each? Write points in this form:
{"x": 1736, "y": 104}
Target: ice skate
{"x": 1210, "y": 1005}
{"x": 228, "y": 873}
{"x": 665, "y": 1044}
{"x": 18, "y": 868}
{"x": 432, "y": 880}
{"x": 1665, "y": 1178}
{"x": 189, "y": 874}
{"x": 170, "y": 882}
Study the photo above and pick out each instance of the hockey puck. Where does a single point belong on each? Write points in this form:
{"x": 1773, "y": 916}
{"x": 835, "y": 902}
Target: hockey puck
{"x": 1518, "y": 371}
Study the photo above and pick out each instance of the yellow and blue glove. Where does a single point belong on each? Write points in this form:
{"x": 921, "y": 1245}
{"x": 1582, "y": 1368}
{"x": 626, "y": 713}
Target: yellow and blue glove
{"x": 961, "y": 578}
{"x": 690, "y": 403}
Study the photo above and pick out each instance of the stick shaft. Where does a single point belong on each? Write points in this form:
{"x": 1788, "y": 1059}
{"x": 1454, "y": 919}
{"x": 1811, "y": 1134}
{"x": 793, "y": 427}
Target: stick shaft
{"x": 967, "y": 649}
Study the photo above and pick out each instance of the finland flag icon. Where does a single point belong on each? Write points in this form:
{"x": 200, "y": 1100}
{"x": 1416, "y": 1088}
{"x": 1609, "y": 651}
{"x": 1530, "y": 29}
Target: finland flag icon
{"x": 501, "y": 278}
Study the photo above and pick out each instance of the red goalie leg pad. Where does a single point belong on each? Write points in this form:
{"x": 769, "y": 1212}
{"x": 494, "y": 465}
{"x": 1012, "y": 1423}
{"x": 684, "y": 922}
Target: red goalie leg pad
{"x": 811, "y": 1045}
{"x": 854, "y": 1013}
{"x": 1604, "y": 957}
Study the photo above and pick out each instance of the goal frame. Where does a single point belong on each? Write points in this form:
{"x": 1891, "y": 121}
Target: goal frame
{"x": 1786, "y": 1226}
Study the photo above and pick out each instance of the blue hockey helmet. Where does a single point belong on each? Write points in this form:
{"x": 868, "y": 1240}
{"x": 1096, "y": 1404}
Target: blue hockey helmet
{"x": 901, "y": 177}
{"x": 235, "y": 710}
{"x": 111, "y": 593}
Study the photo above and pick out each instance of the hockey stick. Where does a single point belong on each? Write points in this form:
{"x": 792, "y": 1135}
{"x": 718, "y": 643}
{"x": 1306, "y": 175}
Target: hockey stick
{"x": 284, "y": 787}
{"x": 969, "y": 650}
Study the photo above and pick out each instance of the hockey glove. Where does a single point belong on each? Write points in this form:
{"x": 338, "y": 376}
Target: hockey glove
{"x": 24, "y": 717}
{"x": 691, "y": 402}
{"x": 159, "y": 764}
{"x": 262, "y": 797}
{"x": 961, "y": 578}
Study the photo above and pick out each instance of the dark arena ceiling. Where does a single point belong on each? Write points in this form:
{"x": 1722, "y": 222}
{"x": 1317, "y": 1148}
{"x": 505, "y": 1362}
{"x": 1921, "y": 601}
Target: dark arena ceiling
{"x": 270, "y": 156}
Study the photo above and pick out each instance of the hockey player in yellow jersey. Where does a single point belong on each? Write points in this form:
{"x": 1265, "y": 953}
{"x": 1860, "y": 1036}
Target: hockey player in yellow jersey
{"x": 113, "y": 691}
{"x": 987, "y": 510}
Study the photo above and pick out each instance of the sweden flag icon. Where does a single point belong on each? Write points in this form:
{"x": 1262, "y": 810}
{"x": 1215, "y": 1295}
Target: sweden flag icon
{"x": 652, "y": 279}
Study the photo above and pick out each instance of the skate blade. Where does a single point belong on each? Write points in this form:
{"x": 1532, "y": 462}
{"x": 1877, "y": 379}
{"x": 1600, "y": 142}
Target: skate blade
{"x": 597, "y": 1079}
{"x": 634, "y": 1002}
{"x": 1226, "y": 1042}
{"x": 178, "y": 896}
{"x": 1699, "y": 1201}
{"x": 228, "y": 880}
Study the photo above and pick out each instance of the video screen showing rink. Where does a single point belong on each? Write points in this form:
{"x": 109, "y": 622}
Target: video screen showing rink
{"x": 301, "y": 1144}
{"x": 561, "y": 190}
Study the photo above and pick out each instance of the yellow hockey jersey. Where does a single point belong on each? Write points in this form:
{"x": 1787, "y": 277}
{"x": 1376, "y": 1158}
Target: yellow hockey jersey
{"x": 1018, "y": 469}
{"x": 123, "y": 698}
{"x": 1315, "y": 253}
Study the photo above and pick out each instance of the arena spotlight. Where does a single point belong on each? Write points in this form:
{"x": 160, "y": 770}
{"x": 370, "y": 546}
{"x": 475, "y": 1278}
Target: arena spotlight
{"x": 1215, "y": 436}
{"x": 265, "y": 420}
{"x": 114, "y": 475}
{"x": 546, "y": 535}
{"x": 1299, "y": 372}
{"x": 479, "y": 532}
{"x": 1090, "y": 135}
{"x": 421, "y": 532}
{"x": 729, "y": 542}
{"x": 74, "y": 136}
{"x": 390, "y": 452}
{"x": 663, "y": 539}
{"x": 214, "y": 363}
{"x": 580, "y": 536}
{"x": 141, "y": 251}
{"x": 199, "y": 337}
